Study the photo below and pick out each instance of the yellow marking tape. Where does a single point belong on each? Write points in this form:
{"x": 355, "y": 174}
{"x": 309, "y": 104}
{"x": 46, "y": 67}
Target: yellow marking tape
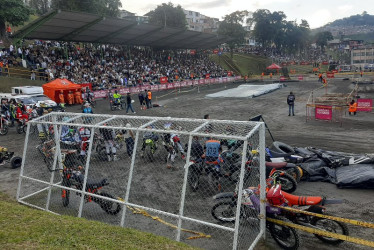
{"x": 324, "y": 233}
{"x": 353, "y": 222}
{"x": 156, "y": 218}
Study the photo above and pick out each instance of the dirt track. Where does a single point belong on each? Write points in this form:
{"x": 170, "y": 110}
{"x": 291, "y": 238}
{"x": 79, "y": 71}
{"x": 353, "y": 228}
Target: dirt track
{"x": 355, "y": 135}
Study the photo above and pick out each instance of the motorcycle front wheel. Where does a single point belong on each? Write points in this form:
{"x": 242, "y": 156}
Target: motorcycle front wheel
{"x": 109, "y": 207}
{"x": 16, "y": 162}
{"x": 19, "y": 129}
{"x": 329, "y": 226}
{"x": 286, "y": 237}
{"x": 224, "y": 211}
{"x": 4, "y": 130}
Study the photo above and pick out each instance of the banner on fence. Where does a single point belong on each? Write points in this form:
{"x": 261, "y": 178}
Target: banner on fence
{"x": 330, "y": 74}
{"x": 323, "y": 112}
{"x": 166, "y": 85}
{"x": 364, "y": 105}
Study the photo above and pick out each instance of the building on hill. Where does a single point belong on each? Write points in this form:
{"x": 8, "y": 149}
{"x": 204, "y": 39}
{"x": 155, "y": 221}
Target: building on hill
{"x": 362, "y": 56}
{"x": 201, "y": 23}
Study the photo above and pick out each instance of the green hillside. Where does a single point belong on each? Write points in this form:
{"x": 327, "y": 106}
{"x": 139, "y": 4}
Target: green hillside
{"x": 22, "y": 227}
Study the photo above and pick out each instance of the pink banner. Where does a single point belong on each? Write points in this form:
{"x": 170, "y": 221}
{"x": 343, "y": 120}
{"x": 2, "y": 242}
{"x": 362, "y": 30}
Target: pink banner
{"x": 300, "y": 78}
{"x": 323, "y": 112}
{"x": 100, "y": 94}
{"x": 170, "y": 85}
{"x": 364, "y": 105}
{"x": 154, "y": 88}
{"x": 282, "y": 78}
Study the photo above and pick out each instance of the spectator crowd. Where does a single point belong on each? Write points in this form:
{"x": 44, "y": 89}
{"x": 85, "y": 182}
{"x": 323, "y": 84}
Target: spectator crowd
{"x": 107, "y": 66}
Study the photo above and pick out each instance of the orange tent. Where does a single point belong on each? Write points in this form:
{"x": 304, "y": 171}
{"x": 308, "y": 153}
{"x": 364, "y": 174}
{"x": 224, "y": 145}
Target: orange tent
{"x": 52, "y": 89}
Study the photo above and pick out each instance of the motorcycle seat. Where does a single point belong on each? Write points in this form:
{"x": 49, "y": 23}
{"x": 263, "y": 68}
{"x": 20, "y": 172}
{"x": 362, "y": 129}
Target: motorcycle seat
{"x": 275, "y": 164}
{"x": 293, "y": 200}
{"x": 92, "y": 184}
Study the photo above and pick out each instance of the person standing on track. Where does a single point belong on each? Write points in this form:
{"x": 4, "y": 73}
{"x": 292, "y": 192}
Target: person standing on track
{"x": 291, "y": 103}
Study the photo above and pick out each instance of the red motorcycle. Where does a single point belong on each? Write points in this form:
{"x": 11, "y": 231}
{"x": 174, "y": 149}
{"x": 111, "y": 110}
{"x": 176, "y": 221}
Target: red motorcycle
{"x": 314, "y": 204}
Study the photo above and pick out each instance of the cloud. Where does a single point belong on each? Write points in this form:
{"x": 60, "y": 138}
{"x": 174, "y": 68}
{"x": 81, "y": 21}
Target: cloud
{"x": 206, "y": 5}
{"x": 319, "y": 18}
{"x": 345, "y": 8}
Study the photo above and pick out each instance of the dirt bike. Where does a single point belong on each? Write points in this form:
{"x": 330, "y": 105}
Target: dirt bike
{"x": 4, "y": 124}
{"x": 75, "y": 178}
{"x": 8, "y": 157}
{"x": 225, "y": 211}
{"x": 117, "y": 104}
{"x": 314, "y": 204}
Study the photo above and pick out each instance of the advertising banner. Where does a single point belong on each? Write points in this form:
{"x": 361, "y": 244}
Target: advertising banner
{"x": 323, "y": 112}
{"x": 170, "y": 85}
{"x": 364, "y": 105}
{"x": 330, "y": 74}
{"x": 154, "y": 87}
{"x": 177, "y": 84}
{"x": 187, "y": 83}
{"x": 162, "y": 87}
{"x": 100, "y": 93}
{"x": 300, "y": 78}
{"x": 282, "y": 78}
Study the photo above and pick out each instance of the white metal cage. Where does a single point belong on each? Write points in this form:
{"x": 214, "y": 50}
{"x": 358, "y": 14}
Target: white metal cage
{"x": 148, "y": 168}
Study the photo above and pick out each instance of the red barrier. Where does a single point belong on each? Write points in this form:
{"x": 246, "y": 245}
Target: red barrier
{"x": 300, "y": 77}
{"x": 330, "y": 75}
{"x": 323, "y": 112}
{"x": 282, "y": 78}
{"x": 364, "y": 105}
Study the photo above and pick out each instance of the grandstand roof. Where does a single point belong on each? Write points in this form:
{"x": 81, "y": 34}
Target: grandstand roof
{"x": 85, "y": 27}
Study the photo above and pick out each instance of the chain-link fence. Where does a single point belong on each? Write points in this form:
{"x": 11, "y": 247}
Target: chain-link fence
{"x": 150, "y": 173}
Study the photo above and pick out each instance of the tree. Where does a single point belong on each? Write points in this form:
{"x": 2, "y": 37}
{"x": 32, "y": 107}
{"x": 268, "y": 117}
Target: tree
{"x": 232, "y": 27}
{"x": 40, "y": 6}
{"x": 322, "y": 38}
{"x": 13, "y": 12}
{"x": 101, "y": 7}
{"x": 168, "y": 15}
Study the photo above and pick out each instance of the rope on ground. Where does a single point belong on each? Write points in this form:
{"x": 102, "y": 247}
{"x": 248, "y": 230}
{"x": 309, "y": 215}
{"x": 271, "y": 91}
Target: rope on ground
{"x": 350, "y": 221}
{"x": 323, "y": 233}
{"x": 156, "y": 218}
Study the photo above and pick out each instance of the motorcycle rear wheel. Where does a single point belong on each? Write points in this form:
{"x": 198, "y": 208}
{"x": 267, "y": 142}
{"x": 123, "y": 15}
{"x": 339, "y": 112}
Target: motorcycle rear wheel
{"x": 329, "y": 226}
{"x": 193, "y": 177}
{"x": 109, "y": 207}
{"x": 288, "y": 183}
{"x": 286, "y": 237}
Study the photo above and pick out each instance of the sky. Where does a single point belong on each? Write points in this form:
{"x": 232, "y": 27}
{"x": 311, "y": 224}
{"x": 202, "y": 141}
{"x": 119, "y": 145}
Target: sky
{"x": 316, "y": 12}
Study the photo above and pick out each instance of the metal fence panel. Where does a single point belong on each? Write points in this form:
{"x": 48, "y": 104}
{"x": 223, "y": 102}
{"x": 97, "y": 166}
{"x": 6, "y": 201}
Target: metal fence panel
{"x": 154, "y": 174}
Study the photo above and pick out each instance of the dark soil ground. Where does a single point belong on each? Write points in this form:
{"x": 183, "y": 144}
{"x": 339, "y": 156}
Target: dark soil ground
{"x": 354, "y": 135}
